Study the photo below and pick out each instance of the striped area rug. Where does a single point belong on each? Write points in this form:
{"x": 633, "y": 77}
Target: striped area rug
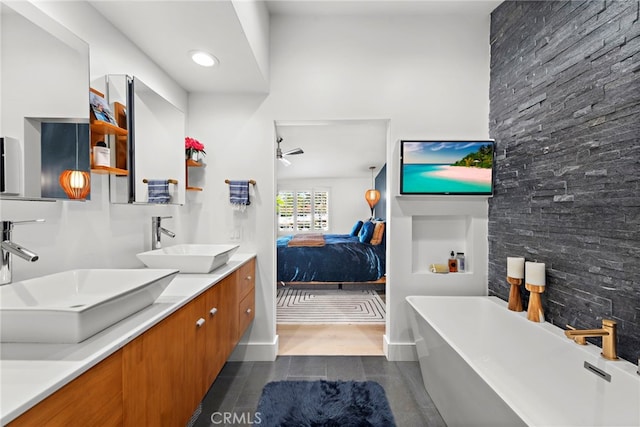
{"x": 311, "y": 306}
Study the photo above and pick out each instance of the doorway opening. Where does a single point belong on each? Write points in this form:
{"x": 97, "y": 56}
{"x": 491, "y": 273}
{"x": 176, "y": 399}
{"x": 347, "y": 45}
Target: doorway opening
{"x": 330, "y": 301}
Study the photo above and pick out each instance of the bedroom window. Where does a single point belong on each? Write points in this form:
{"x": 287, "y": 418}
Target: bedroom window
{"x": 300, "y": 211}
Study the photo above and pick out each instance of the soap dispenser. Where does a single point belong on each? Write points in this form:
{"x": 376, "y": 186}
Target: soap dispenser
{"x": 453, "y": 263}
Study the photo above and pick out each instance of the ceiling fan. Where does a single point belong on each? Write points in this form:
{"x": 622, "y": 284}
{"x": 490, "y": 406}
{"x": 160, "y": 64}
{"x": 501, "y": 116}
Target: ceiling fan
{"x": 280, "y": 155}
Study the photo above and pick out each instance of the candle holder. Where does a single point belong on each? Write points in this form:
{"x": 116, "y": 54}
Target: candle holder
{"x": 535, "y": 312}
{"x": 515, "y": 297}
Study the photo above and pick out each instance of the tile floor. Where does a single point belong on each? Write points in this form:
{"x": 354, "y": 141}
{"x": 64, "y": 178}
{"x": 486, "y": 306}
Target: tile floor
{"x": 239, "y": 386}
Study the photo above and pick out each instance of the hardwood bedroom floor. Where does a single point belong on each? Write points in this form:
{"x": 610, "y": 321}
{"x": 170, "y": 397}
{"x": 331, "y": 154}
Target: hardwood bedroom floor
{"x": 330, "y": 340}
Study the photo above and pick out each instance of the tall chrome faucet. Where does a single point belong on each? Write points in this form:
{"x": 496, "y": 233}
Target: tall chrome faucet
{"x": 7, "y": 247}
{"x": 157, "y": 230}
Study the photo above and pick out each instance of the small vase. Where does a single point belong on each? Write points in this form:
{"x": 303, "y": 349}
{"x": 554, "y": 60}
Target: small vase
{"x": 195, "y": 156}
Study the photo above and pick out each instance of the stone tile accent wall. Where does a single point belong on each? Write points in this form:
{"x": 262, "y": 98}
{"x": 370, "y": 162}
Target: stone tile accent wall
{"x": 565, "y": 114}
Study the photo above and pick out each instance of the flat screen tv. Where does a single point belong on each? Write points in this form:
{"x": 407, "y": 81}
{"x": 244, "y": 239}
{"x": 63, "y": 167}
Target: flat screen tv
{"x": 447, "y": 167}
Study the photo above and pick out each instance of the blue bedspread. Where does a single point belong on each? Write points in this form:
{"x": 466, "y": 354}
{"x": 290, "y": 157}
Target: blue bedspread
{"x": 342, "y": 259}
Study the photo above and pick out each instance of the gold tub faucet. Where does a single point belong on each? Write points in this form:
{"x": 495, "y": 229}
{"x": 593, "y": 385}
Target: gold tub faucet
{"x": 607, "y": 332}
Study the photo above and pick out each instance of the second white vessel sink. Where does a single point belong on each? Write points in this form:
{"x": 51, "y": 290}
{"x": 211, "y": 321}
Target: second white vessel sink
{"x": 71, "y": 306}
{"x": 189, "y": 258}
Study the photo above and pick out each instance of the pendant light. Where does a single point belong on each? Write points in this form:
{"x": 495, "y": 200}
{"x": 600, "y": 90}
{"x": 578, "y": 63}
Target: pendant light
{"x": 372, "y": 196}
{"x": 75, "y": 183}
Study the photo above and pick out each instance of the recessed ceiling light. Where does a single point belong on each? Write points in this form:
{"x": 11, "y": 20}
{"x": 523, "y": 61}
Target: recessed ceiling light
{"x": 203, "y": 58}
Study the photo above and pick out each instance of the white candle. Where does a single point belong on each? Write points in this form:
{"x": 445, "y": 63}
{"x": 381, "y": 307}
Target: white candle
{"x": 535, "y": 273}
{"x": 515, "y": 267}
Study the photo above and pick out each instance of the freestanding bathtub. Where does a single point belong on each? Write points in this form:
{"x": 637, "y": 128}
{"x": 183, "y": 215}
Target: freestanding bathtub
{"x": 484, "y": 365}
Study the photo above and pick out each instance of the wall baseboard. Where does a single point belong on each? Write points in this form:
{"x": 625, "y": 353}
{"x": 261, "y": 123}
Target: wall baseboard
{"x": 399, "y": 352}
{"x": 255, "y": 352}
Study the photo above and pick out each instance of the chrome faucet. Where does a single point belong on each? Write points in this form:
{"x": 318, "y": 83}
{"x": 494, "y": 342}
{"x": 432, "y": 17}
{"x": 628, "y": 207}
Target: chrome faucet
{"x": 157, "y": 230}
{"x": 607, "y": 332}
{"x": 7, "y": 247}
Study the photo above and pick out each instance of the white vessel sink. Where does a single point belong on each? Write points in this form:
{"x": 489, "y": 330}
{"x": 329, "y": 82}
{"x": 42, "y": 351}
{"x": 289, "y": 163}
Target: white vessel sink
{"x": 71, "y": 306}
{"x": 189, "y": 258}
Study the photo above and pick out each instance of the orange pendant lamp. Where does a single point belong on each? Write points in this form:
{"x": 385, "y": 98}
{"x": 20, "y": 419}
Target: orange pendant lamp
{"x": 372, "y": 196}
{"x": 75, "y": 182}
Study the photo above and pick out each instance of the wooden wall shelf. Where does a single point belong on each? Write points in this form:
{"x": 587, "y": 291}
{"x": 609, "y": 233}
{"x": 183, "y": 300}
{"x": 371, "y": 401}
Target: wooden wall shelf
{"x": 104, "y": 128}
{"x": 192, "y": 164}
{"x": 99, "y": 132}
{"x": 108, "y": 170}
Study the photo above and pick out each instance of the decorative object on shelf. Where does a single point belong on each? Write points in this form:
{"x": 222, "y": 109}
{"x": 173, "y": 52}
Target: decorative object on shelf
{"x": 100, "y": 108}
{"x": 75, "y": 182}
{"x": 101, "y": 154}
{"x": 439, "y": 268}
{"x": 515, "y": 274}
{"x": 239, "y": 193}
{"x": 535, "y": 284}
{"x": 194, "y": 149}
{"x": 159, "y": 190}
{"x": 461, "y": 261}
{"x": 372, "y": 196}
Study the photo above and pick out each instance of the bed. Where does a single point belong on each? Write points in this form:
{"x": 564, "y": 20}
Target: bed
{"x": 342, "y": 258}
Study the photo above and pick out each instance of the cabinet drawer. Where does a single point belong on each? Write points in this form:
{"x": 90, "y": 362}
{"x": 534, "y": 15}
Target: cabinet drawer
{"x": 246, "y": 278}
{"x": 247, "y": 312}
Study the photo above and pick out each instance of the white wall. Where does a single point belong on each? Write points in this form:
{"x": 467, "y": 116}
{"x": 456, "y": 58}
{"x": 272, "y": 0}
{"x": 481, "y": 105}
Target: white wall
{"x": 346, "y": 199}
{"x": 254, "y": 18}
{"x": 428, "y": 75}
{"x": 96, "y": 234}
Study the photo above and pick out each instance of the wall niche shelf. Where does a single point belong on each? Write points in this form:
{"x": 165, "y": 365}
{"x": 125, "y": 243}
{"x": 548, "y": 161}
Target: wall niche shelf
{"x": 192, "y": 164}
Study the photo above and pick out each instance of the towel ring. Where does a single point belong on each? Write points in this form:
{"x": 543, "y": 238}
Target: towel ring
{"x": 170, "y": 181}
{"x": 251, "y": 181}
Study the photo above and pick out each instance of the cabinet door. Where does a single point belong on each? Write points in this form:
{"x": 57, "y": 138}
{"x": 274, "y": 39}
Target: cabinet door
{"x": 214, "y": 347}
{"x": 211, "y": 342}
{"x": 92, "y": 399}
{"x": 155, "y": 392}
{"x": 203, "y": 343}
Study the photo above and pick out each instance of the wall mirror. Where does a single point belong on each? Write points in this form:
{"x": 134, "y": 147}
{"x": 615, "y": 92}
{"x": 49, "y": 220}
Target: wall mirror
{"x": 44, "y": 76}
{"x": 154, "y": 148}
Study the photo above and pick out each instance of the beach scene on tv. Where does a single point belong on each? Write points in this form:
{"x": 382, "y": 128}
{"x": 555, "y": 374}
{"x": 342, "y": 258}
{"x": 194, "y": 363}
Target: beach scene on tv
{"x": 447, "y": 167}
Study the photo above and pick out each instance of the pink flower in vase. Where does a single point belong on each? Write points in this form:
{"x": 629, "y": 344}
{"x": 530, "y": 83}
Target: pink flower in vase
{"x": 192, "y": 145}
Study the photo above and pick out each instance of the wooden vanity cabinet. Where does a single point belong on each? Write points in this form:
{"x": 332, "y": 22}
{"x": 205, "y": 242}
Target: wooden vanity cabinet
{"x": 196, "y": 342}
{"x": 160, "y": 377}
{"x": 92, "y": 399}
{"x": 177, "y": 360}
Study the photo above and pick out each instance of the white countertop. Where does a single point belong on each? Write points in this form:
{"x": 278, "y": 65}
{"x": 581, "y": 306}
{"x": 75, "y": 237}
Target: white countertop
{"x": 31, "y": 372}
